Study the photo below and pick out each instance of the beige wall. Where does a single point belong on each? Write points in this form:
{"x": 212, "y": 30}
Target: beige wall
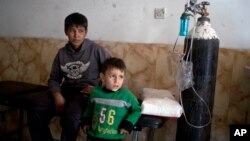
{"x": 30, "y": 59}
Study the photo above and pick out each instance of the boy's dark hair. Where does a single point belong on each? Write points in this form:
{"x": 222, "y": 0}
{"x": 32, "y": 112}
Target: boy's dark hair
{"x": 75, "y": 19}
{"x": 113, "y": 62}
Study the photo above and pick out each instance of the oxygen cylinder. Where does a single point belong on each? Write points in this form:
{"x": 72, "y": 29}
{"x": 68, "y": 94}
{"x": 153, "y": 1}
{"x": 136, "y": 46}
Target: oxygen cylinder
{"x": 204, "y": 55}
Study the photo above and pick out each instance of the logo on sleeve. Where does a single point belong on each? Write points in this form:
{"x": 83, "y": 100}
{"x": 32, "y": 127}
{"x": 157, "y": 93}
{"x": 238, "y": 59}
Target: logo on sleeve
{"x": 74, "y": 70}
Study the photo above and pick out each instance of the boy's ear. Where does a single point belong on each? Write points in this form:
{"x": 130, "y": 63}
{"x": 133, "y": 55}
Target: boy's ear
{"x": 66, "y": 33}
{"x": 102, "y": 77}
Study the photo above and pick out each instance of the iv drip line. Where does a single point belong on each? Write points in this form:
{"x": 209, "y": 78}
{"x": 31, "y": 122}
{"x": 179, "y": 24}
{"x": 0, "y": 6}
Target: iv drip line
{"x": 190, "y": 124}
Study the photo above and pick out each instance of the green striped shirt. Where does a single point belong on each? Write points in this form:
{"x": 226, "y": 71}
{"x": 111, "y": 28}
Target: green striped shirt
{"x": 109, "y": 109}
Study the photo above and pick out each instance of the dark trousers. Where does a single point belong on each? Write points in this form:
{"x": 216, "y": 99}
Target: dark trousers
{"x": 43, "y": 109}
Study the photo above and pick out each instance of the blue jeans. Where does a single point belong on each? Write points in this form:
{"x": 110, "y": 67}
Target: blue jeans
{"x": 42, "y": 110}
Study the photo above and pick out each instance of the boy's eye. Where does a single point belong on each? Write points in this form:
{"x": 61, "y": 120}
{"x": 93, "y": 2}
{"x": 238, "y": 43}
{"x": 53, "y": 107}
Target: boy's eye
{"x": 76, "y": 29}
{"x": 121, "y": 76}
{"x": 81, "y": 30}
{"x": 112, "y": 76}
{"x": 70, "y": 29}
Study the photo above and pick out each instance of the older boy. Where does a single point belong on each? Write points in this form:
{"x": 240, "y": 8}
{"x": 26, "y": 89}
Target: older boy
{"x": 75, "y": 69}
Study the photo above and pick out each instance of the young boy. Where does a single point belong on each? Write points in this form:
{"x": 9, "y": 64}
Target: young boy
{"x": 112, "y": 110}
{"x": 75, "y": 69}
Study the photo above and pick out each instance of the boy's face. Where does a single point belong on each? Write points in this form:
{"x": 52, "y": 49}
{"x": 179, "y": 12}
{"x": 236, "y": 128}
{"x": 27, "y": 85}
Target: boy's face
{"x": 76, "y": 35}
{"x": 113, "y": 78}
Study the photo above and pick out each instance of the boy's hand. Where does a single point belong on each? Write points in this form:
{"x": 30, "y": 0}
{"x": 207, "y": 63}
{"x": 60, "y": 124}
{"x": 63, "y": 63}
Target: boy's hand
{"x": 85, "y": 128}
{"x": 123, "y": 131}
{"x": 87, "y": 89}
{"x": 59, "y": 101}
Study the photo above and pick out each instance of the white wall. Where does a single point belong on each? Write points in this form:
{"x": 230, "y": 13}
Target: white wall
{"x": 122, "y": 20}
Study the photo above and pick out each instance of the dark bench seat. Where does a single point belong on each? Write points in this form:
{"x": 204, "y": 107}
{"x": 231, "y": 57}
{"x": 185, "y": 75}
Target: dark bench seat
{"x": 18, "y": 95}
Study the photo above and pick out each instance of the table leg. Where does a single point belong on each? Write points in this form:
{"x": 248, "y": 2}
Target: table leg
{"x": 20, "y": 124}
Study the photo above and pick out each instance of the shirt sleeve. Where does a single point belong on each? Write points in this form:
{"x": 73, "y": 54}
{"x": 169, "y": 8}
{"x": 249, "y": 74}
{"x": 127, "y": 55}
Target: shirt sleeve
{"x": 133, "y": 115}
{"x": 134, "y": 111}
{"x": 56, "y": 76}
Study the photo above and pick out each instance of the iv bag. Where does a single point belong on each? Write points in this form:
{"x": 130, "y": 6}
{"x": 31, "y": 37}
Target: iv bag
{"x": 184, "y": 76}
